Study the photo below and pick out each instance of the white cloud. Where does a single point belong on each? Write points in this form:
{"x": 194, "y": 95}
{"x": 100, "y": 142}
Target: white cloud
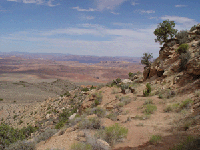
{"x": 134, "y": 3}
{"x": 39, "y": 2}
{"x": 183, "y": 22}
{"x": 87, "y": 17}
{"x": 145, "y": 11}
{"x": 125, "y": 42}
{"x": 80, "y": 9}
{"x": 108, "y": 4}
{"x": 114, "y": 13}
{"x": 180, "y": 5}
{"x": 49, "y": 3}
{"x": 13, "y": 0}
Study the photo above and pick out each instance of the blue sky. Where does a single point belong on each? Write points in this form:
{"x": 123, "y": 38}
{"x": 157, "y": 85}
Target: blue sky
{"x": 90, "y": 27}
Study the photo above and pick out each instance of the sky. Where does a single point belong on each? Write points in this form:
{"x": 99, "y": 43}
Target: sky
{"x": 90, "y": 27}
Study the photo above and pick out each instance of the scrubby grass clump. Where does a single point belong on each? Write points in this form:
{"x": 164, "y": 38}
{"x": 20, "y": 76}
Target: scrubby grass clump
{"x": 155, "y": 139}
{"x": 64, "y": 116}
{"x": 182, "y": 48}
{"x": 113, "y": 134}
{"x": 80, "y": 146}
{"x": 22, "y": 145}
{"x": 98, "y": 98}
{"x": 45, "y": 135}
{"x": 182, "y": 37}
{"x": 150, "y": 109}
{"x": 185, "y": 103}
{"x": 99, "y": 111}
{"x": 190, "y": 143}
{"x": 184, "y": 57}
{"x": 90, "y": 123}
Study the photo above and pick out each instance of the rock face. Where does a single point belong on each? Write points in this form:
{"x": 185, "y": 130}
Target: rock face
{"x": 193, "y": 67}
{"x": 146, "y": 73}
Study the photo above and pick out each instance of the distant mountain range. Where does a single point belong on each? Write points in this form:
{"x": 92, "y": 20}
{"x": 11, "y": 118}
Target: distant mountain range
{"x": 68, "y": 57}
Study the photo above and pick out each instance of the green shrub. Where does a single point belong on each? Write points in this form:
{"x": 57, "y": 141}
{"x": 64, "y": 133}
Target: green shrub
{"x": 168, "y": 108}
{"x": 125, "y": 99}
{"x": 184, "y": 57}
{"x": 149, "y": 109}
{"x": 190, "y": 143}
{"x": 155, "y": 139}
{"x": 98, "y": 98}
{"x": 160, "y": 96}
{"x": 99, "y": 111}
{"x": 149, "y": 101}
{"x": 67, "y": 94}
{"x": 91, "y": 123}
{"x": 45, "y": 135}
{"x": 60, "y": 124}
{"x": 182, "y": 36}
{"x": 118, "y": 80}
{"x": 9, "y": 135}
{"x": 130, "y": 74}
{"x": 148, "y": 90}
{"x": 22, "y": 145}
{"x": 113, "y": 134}
{"x": 80, "y": 146}
{"x": 112, "y": 116}
{"x": 85, "y": 89}
{"x": 1, "y": 99}
{"x": 185, "y": 103}
{"x": 182, "y": 48}
{"x": 92, "y": 87}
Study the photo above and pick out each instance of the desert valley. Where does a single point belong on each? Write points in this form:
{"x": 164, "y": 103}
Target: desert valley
{"x": 72, "y": 102}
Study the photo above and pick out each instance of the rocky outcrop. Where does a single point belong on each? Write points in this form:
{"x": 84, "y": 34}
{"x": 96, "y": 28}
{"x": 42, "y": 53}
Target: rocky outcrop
{"x": 146, "y": 73}
{"x": 193, "y": 66}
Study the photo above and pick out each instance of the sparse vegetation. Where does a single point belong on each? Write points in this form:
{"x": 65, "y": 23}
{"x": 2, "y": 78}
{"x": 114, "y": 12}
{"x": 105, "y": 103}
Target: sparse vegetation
{"x": 168, "y": 108}
{"x": 99, "y": 111}
{"x": 85, "y": 89}
{"x": 22, "y": 145}
{"x": 80, "y": 146}
{"x": 190, "y": 143}
{"x": 149, "y": 109}
{"x": 182, "y": 37}
{"x": 112, "y": 116}
{"x": 182, "y": 48}
{"x": 98, "y": 98}
{"x": 146, "y": 59}
{"x": 9, "y": 135}
{"x": 90, "y": 123}
{"x": 148, "y": 101}
{"x": 184, "y": 57}
{"x": 185, "y": 103}
{"x": 155, "y": 139}
{"x": 45, "y": 135}
{"x": 148, "y": 90}
{"x": 113, "y": 134}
